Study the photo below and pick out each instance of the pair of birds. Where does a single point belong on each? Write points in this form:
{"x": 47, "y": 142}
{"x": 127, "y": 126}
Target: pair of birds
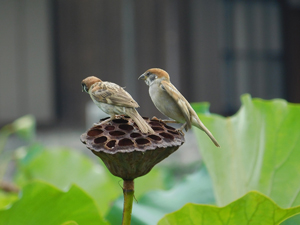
{"x": 114, "y": 100}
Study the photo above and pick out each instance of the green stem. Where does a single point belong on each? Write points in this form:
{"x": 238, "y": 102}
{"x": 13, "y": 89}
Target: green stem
{"x": 128, "y": 192}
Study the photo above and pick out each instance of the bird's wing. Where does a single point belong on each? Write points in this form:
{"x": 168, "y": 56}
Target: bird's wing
{"x": 113, "y": 94}
{"x": 179, "y": 99}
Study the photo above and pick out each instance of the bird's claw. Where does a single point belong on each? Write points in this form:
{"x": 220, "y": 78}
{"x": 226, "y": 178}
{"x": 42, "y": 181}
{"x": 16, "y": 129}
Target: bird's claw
{"x": 100, "y": 123}
{"x": 155, "y": 118}
{"x": 169, "y": 121}
{"x": 180, "y": 131}
{"x": 164, "y": 121}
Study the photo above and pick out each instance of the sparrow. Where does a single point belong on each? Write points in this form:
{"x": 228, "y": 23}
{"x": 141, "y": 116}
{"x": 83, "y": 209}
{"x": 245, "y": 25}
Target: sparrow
{"x": 170, "y": 102}
{"x": 114, "y": 100}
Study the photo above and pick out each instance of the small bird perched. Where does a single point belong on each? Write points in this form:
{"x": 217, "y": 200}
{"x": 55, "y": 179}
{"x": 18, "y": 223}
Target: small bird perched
{"x": 170, "y": 102}
{"x": 114, "y": 100}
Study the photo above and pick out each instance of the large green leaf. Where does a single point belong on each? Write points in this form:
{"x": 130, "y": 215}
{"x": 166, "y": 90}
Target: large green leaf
{"x": 44, "y": 204}
{"x": 201, "y": 107}
{"x": 260, "y": 150}
{"x": 63, "y": 167}
{"x": 154, "y": 180}
{"x": 70, "y": 223}
{"x": 253, "y": 208}
{"x": 295, "y": 220}
{"x": 196, "y": 188}
{"x": 7, "y": 198}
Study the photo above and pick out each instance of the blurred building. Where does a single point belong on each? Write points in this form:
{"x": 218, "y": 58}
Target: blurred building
{"x": 214, "y": 51}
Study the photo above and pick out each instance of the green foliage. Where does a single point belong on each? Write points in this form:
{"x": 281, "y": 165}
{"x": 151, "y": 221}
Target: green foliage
{"x": 201, "y": 107}
{"x": 153, "y": 181}
{"x": 24, "y": 127}
{"x": 6, "y": 199}
{"x": 260, "y": 150}
{"x": 260, "y": 147}
{"x": 63, "y": 167}
{"x": 70, "y": 223}
{"x": 44, "y": 204}
{"x": 155, "y": 204}
{"x": 253, "y": 208}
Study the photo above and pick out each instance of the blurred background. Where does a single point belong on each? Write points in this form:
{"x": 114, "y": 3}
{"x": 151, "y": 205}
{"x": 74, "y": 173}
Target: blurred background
{"x": 213, "y": 50}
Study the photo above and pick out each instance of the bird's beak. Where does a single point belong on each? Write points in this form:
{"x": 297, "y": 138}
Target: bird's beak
{"x": 143, "y": 77}
{"x": 83, "y": 88}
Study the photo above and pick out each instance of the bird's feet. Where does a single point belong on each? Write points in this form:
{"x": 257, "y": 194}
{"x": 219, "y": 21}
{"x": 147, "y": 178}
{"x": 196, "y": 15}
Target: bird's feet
{"x": 169, "y": 121}
{"x": 104, "y": 121}
{"x": 155, "y": 118}
{"x": 180, "y": 131}
{"x": 165, "y": 121}
{"x": 100, "y": 123}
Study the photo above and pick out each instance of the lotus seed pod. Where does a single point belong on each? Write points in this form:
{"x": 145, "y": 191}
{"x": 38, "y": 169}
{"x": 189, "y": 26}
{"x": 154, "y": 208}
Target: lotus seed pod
{"x": 126, "y": 151}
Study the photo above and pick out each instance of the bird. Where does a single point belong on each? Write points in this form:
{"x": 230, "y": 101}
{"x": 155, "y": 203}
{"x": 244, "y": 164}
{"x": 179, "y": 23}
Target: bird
{"x": 114, "y": 100}
{"x": 170, "y": 102}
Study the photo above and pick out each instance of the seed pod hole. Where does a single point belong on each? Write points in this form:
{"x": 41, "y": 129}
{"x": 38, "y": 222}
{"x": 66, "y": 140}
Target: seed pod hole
{"x": 170, "y": 128}
{"x": 135, "y": 135}
{"x": 166, "y": 135}
{"x": 109, "y": 127}
{"x": 155, "y": 123}
{"x": 120, "y": 121}
{"x": 95, "y": 132}
{"x": 104, "y": 119}
{"x": 142, "y": 141}
{"x": 116, "y": 133}
{"x": 157, "y": 128}
{"x": 154, "y": 137}
{"x": 173, "y": 132}
{"x": 100, "y": 140}
{"x": 125, "y": 142}
{"x": 111, "y": 144}
{"x": 126, "y": 127}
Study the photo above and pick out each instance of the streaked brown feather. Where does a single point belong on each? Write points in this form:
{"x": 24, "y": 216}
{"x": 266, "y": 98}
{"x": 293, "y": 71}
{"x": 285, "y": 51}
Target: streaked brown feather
{"x": 112, "y": 94}
{"x": 180, "y": 100}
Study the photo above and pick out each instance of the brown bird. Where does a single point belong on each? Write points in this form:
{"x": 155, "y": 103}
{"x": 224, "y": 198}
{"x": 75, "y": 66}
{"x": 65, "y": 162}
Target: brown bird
{"x": 114, "y": 100}
{"x": 170, "y": 102}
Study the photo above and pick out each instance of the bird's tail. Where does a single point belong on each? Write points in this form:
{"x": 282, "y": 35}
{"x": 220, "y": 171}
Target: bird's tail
{"x": 140, "y": 122}
{"x": 201, "y": 126}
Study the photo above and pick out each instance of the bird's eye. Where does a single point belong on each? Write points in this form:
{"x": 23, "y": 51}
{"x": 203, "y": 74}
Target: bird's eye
{"x": 148, "y": 73}
{"x": 152, "y": 77}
